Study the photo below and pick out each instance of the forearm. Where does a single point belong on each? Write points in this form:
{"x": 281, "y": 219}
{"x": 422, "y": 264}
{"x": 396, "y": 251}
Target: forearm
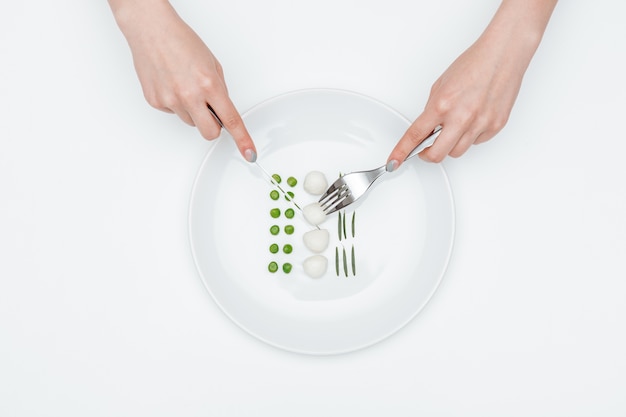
{"x": 517, "y": 28}
{"x": 473, "y": 98}
{"x": 135, "y": 17}
{"x": 177, "y": 71}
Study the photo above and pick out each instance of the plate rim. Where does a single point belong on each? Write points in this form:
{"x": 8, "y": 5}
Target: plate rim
{"x": 393, "y": 330}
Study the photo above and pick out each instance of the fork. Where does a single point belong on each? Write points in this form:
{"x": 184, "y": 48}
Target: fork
{"x": 350, "y": 187}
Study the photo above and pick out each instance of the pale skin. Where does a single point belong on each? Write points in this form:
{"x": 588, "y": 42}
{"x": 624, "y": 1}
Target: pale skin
{"x": 472, "y": 100}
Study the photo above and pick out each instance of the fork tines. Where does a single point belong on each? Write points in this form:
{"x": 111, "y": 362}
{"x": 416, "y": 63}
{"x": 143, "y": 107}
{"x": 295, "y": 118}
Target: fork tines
{"x": 333, "y": 199}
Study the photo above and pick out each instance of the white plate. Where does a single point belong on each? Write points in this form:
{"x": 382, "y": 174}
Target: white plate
{"x": 403, "y": 235}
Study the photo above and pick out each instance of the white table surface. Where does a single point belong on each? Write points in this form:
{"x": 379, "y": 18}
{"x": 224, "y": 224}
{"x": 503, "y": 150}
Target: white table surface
{"x": 102, "y": 312}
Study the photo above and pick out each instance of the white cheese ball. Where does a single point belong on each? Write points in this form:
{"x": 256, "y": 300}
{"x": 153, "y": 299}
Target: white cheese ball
{"x": 315, "y": 266}
{"x": 316, "y": 240}
{"x": 314, "y": 214}
{"x": 315, "y": 183}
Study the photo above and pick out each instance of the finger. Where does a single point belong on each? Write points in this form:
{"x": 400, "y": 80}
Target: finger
{"x": 184, "y": 116}
{"x": 414, "y": 135}
{"x": 179, "y": 111}
{"x": 467, "y": 140}
{"x": 206, "y": 123}
{"x": 483, "y": 137}
{"x": 463, "y": 144}
{"x": 446, "y": 141}
{"x": 233, "y": 123}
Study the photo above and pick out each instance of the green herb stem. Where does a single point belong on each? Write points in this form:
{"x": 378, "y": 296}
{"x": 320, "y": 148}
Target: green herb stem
{"x": 353, "y": 262}
{"x": 353, "y": 229}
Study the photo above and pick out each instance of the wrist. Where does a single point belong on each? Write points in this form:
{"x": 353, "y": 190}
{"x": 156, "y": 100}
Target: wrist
{"x": 131, "y": 15}
{"x": 526, "y": 19}
{"x": 516, "y": 30}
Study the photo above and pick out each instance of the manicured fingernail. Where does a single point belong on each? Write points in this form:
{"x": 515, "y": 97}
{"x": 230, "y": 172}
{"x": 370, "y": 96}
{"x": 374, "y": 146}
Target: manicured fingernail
{"x": 391, "y": 165}
{"x": 250, "y": 155}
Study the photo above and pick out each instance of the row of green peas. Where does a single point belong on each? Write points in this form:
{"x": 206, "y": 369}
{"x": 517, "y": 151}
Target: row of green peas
{"x": 289, "y": 229}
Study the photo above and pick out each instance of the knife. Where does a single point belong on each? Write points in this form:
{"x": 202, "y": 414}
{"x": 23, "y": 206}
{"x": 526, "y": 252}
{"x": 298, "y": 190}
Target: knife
{"x": 267, "y": 175}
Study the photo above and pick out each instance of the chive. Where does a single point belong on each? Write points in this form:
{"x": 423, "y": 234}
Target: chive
{"x": 339, "y": 224}
{"x": 353, "y": 215}
{"x": 344, "y": 225}
{"x": 345, "y": 262}
{"x": 289, "y": 229}
{"x": 289, "y": 196}
{"x": 292, "y": 181}
{"x": 275, "y": 213}
{"x": 277, "y": 178}
{"x": 287, "y": 267}
{"x": 337, "y": 260}
{"x": 274, "y": 195}
{"x": 287, "y": 248}
{"x": 274, "y": 230}
{"x": 289, "y": 213}
{"x": 274, "y": 248}
{"x": 353, "y": 262}
{"x": 272, "y": 267}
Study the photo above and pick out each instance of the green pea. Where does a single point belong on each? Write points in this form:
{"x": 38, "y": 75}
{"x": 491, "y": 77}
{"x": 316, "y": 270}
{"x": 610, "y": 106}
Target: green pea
{"x": 275, "y": 213}
{"x": 274, "y": 248}
{"x": 274, "y": 230}
{"x": 289, "y": 229}
{"x": 287, "y": 268}
{"x": 289, "y": 213}
{"x": 277, "y": 178}
{"x": 289, "y": 196}
{"x": 274, "y": 195}
{"x": 287, "y": 248}
{"x": 292, "y": 181}
{"x": 272, "y": 267}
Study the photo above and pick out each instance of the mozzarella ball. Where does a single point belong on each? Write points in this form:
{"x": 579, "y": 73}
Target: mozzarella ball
{"x": 315, "y": 183}
{"x": 316, "y": 240}
{"x": 314, "y": 214}
{"x": 315, "y": 266}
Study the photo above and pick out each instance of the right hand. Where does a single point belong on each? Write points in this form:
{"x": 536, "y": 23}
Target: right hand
{"x": 179, "y": 74}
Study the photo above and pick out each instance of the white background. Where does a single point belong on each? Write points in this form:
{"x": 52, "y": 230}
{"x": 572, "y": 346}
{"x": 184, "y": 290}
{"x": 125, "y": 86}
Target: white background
{"x": 102, "y": 312}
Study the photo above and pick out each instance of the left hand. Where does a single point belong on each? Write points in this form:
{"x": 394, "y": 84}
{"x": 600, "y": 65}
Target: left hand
{"x": 473, "y": 98}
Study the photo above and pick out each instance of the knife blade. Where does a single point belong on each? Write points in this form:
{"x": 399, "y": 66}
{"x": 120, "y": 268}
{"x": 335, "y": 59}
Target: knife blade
{"x": 275, "y": 184}
{"x": 267, "y": 175}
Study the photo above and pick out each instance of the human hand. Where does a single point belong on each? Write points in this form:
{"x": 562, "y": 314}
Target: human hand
{"x": 178, "y": 73}
{"x": 471, "y": 101}
{"x": 473, "y": 98}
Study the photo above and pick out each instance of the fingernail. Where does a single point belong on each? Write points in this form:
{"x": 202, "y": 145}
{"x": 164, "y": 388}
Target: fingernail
{"x": 391, "y": 165}
{"x": 250, "y": 155}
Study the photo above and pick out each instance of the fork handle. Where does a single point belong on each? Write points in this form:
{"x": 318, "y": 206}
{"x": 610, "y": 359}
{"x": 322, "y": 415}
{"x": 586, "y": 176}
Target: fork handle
{"x": 426, "y": 143}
